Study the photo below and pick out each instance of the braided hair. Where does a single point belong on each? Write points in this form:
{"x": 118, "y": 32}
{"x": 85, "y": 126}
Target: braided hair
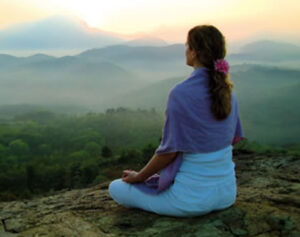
{"x": 209, "y": 44}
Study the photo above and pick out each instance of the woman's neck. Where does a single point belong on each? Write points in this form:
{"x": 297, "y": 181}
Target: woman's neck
{"x": 197, "y": 65}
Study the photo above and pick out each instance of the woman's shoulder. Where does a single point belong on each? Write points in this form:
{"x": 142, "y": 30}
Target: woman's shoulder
{"x": 181, "y": 86}
{"x": 176, "y": 89}
{"x": 234, "y": 98}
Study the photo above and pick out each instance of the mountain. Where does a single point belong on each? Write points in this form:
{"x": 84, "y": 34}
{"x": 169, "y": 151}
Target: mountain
{"x": 147, "y": 41}
{"x": 88, "y": 78}
{"x": 8, "y": 62}
{"x": 123, "y": 75}
{"x": 125, "y": 53}
{"x": 149, "y": 62}
{"x": 267, "y": 51}
{"x": 55, "y": 32}
{"x": 268, "y": 99}
{"x": 66, "y": 80}
{"x": 37, "y": 58}
{"x": 60, "y": 33}
{"x": 267, "y": 96}
{"x": 152, "y": 96}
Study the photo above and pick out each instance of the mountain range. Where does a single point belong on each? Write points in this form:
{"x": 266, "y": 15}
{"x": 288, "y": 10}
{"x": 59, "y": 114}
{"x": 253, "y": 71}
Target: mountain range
{"x": 61, "y": 32}
{"x": 267, "y": 51}
{"x": 134, "y": 76}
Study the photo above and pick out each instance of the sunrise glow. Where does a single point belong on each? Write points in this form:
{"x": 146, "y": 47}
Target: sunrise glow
{"x": 168, "y": 19}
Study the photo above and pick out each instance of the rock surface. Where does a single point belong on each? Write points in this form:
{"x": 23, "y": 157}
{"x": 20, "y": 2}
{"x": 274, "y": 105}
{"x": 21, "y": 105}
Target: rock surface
{"x": 268, "y": 204}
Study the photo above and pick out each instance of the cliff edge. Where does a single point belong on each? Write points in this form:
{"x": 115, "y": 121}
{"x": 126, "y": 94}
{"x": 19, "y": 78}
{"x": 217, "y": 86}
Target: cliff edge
{"x": 268, "y": 204}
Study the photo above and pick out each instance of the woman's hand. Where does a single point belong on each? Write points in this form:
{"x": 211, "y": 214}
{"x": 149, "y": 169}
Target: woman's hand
{"x": 130, "y": 176}
{"x": 157, "y": 163}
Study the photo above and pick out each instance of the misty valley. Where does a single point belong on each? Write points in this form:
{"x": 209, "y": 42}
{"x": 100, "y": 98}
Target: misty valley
{"x": 141, "y": 77}
{"x": 66, "y": 121}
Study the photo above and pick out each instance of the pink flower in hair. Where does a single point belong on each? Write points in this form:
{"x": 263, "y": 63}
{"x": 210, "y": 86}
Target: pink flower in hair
{"x": 221, "y": 65}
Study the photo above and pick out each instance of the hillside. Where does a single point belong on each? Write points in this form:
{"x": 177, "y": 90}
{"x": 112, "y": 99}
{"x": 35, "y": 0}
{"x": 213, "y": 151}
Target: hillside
{"x": 267, "y": 205}
{"x": 54, "y": 32}
{"x": 126, "y": 76}
{"x": 267, "y": 98}
{"x": 152, "y": 96}
{"x": 66, "y": 80}
{"x": 267, "y": 51}
{"x": 149, "y": 62}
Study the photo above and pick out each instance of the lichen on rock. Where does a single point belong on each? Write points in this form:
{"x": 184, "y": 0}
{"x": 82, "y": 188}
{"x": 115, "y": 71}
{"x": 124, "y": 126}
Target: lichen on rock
{"x": 267, "y": 205}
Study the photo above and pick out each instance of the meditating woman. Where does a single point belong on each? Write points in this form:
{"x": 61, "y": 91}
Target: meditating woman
{"x": 195, "y": 155}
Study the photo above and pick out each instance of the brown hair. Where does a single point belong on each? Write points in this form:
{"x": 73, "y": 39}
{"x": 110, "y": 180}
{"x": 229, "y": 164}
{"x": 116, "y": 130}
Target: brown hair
{"x": 209, "y": 44}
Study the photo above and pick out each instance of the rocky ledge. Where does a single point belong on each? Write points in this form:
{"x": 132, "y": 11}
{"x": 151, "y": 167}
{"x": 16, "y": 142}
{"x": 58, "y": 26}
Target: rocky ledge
{"x": 268, "y": 204}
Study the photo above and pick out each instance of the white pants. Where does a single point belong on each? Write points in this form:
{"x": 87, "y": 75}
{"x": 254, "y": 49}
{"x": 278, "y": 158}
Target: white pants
{"x": 205, "y": 182}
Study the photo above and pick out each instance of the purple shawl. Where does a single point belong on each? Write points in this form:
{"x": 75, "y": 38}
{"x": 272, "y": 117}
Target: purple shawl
{"x": 190, "y": 127}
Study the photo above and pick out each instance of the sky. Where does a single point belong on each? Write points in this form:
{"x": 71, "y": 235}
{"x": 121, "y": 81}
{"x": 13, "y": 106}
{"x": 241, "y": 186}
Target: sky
{"x": 166, "y": 19}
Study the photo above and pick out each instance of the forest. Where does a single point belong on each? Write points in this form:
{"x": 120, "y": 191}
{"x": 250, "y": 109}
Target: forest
{"x": 44, "y": 151}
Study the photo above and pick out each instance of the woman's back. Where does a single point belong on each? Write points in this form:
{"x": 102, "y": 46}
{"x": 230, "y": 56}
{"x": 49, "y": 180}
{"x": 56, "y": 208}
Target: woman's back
{"x": 190, "y": 120}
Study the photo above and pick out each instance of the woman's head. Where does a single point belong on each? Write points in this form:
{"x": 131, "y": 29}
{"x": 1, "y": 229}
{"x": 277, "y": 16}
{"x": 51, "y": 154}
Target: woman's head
{"x": 205, "y": 45}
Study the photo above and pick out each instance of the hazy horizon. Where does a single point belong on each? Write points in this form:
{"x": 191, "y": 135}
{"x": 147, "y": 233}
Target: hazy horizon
{"x": 241, "y": 22}
{"x": 94, "y": 67}
{"x": 238, "y": 20}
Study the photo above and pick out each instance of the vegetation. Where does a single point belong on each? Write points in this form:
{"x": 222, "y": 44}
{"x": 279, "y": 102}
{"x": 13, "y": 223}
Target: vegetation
{"x": 42, "y": 152}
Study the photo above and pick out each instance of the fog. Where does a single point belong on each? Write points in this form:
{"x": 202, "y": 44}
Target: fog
{"x": 74, "y": 78}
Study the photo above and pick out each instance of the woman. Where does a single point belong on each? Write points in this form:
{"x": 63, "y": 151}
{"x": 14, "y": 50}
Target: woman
{"x": 195, "y": 155}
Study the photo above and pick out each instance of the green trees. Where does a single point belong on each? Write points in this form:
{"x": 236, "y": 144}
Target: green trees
{"x": 45, "y": 151}
{"x": 93, "y": 148}
{"x": 131, "y": 156}
{"x": 30, "y": 177}
{"x": 148, "y": 152}
{"x": 18, "y": 148}
{"x": 3, "y": 151}
{"x": 39, "y": 153}
{"x": 106, "y": 151}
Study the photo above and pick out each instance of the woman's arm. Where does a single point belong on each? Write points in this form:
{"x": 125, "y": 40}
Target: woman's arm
{"x": 156, "y": 163}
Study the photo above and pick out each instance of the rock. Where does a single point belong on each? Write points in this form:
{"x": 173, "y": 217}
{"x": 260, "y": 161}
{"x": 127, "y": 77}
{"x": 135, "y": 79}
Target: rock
{"x": 238, "y": 232}
{"x": 267, "y": 205}
{"x": 7, "y": 234}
